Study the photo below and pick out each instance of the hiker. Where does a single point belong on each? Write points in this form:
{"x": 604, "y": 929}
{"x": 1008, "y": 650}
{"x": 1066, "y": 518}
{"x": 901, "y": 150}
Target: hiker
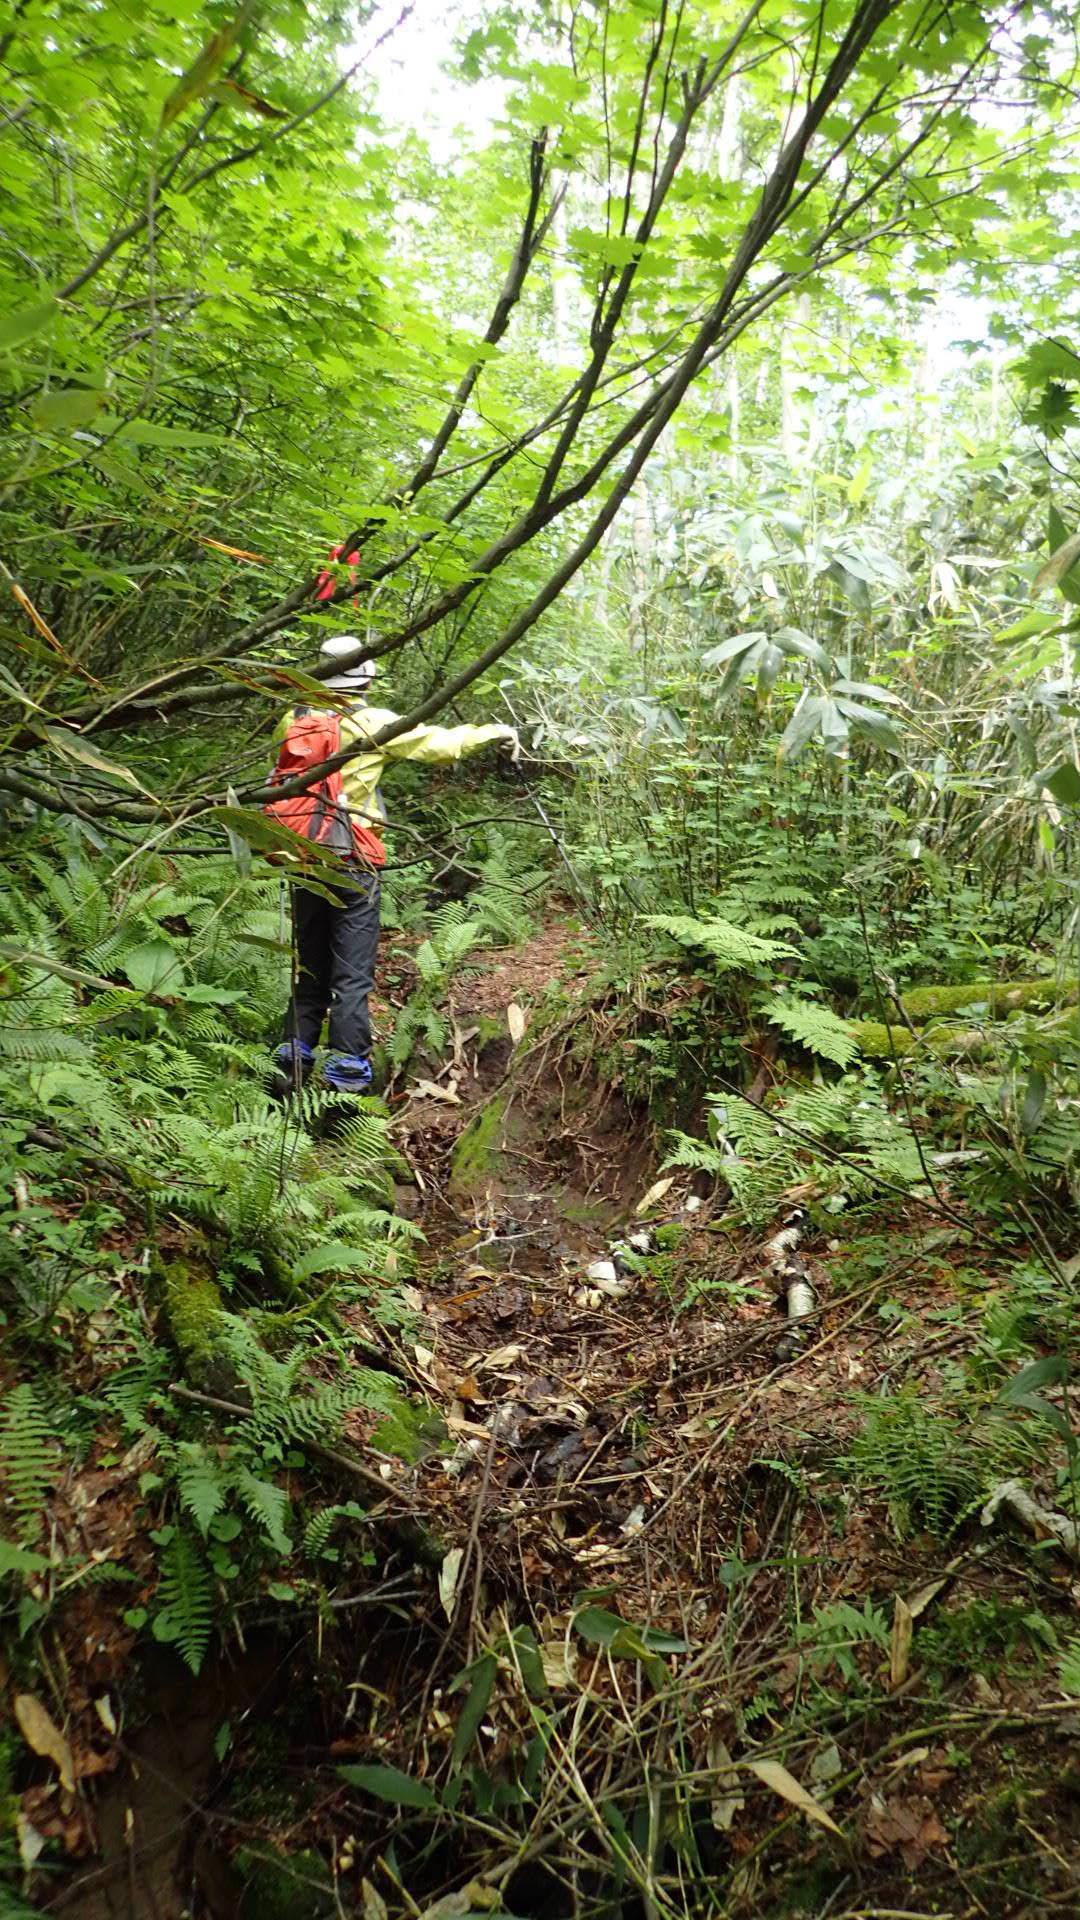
{"x": 336, "y": 941}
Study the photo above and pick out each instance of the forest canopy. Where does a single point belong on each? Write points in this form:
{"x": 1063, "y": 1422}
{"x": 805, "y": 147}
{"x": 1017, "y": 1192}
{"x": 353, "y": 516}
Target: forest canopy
{"x": 247, "y": 325}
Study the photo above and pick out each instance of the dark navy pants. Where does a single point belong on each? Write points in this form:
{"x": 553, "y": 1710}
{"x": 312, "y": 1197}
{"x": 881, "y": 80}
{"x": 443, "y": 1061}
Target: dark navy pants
{"x": 336, "y": 946}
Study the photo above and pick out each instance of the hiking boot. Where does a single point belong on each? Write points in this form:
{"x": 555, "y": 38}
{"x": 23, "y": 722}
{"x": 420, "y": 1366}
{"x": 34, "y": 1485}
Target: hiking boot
{"x": 347, "y": 1073}
{"x": 293, "y": 1062}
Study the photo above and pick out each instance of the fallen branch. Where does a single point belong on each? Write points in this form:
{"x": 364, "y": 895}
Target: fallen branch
{"x": 1043, "y": 1522}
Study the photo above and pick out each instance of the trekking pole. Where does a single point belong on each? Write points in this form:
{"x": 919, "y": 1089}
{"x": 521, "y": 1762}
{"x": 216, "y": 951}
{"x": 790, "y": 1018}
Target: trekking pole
{"x": 578, "y": 884}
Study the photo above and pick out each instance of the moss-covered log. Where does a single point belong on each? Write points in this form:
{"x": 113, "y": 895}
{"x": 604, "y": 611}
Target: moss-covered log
{"x": 193, "y": 1309}
{"x": 996, "y": 997}
{"x": 876, "y": 1041}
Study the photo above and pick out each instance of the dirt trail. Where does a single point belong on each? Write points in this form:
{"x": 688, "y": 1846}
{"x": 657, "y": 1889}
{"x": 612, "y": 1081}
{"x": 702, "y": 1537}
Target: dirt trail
{"x": 647, "y": 1448}
{"x": 586, "y": 1420}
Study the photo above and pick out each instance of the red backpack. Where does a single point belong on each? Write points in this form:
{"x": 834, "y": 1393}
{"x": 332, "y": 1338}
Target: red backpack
{"x": 320, "y": 813}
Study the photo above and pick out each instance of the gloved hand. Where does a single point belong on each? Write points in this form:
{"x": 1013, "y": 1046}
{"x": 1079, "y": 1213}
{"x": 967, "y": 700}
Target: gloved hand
{"x": 510, "y": 745}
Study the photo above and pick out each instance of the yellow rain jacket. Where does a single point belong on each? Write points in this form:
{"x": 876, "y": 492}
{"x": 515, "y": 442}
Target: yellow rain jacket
{"x": 360, "y": 777}
{"x": 430, "y": 745}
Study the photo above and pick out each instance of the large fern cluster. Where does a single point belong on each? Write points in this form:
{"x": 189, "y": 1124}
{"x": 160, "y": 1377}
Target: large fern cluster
{"x": 287, "y": 1407}
{"x": 842, "y": 1137}
{"x": 933, "y": 1465}
{"x": 730, "y": 947}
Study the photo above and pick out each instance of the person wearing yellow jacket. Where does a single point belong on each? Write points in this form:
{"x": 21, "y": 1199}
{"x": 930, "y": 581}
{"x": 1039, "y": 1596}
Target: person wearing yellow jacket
{"x": 336, "y": 941}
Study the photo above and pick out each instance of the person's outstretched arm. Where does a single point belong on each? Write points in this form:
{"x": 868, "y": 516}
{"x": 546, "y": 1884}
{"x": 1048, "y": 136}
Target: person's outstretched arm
{"x": 432, "y": 744}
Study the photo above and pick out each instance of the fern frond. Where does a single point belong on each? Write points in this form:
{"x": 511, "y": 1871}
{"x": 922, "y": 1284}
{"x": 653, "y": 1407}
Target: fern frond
{"x": 202, "y": 1484}
{"x": 814, "y": 1027}
{"x": 130, "y": 1391}
{"x": 186, "y": 1593}
{"x": 934, "y": 1465}
{"x": 267, "y": 1504}
{"x": 316, "y": 1538}
{"x": 728, "y": 946}
{"x": 37, "y": 1046}
{"x": 29, "y": 1459}
{"x": 685, "y": 1151}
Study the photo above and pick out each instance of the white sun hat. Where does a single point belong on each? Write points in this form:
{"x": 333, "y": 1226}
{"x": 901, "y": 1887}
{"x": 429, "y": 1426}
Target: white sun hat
{"x": 357, "y": 677}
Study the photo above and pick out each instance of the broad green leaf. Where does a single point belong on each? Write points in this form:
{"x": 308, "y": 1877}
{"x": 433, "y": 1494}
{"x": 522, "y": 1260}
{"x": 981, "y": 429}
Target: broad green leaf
{"x": 15, "y": 1559}
{"x": 1059, "y": 564}
{"x": 867, "y": 720}
{"x": 793, "y": 640}
{"x": 68, "y": 407}
{"x": 804, "y": 723}
{"x": 1046, "y": 1410}
{"x": 606, "y": 1629}
{"x": 151, "y": 433}
{"x": 153, "y": 967}
{"x": 526, "y": 1653}
{"x": 331, "y": 1257}
{"x": 598, "y": 1626}
{"x": 868, "y": 690}
{"x": 768, "y": 667}
{"x": 1037, "y": 621}
{"x": 1047, "y": 1372}
{"x": 1064, "y": 783}
{"x": 389, "y": 1783}
{"x": 475, "y": 1707}
{"x": 20, "y": 326}
{"x": 859, "y": 482}
{"x": 1034, "y": 1102}
{"x": 730, "y": 649}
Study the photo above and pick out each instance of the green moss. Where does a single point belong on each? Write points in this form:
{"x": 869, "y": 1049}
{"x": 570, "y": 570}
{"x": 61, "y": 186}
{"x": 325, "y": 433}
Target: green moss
{"x": 489, "y": 1027}
{"x": 995, "y": 996}
{"x": 475, "y": 1159}
{"x": 293, "y": 1887}
{"x": 577, "y": 1211}
{"x": 193, "y": 1308}
{"x": 668, "y": 1236}
{"x": 872, "y": 1039}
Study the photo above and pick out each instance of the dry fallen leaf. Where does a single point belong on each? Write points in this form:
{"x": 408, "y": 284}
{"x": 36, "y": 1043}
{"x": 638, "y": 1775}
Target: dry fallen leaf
{"x": 470, "y": 1428}
{"x": 515, "y": 1020}
{"x": 921, "y": 1600}
{"x": 656, "y": 1192}
{"x": 900, "y": 1647}
{"x": 427, "y": 1090}
{"x": 31, "y": 1841}
{"x": 503, "y": 1356}
{"x": 41, "y": 1733}
{"x": 103, "y": 1709}
{"x": 779, "y": 1780}
{"x": 558, "y": 1661}
{"x": 234, "y": 553}
{"x": 476, "y": 1897}
{"x": 373, "y": 1905}
{"x": 727, "y": 1799}
{"x": 826, "y": 1765}
{"x": 910, "y": 1828}
{"x": 448, "y": 1579}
